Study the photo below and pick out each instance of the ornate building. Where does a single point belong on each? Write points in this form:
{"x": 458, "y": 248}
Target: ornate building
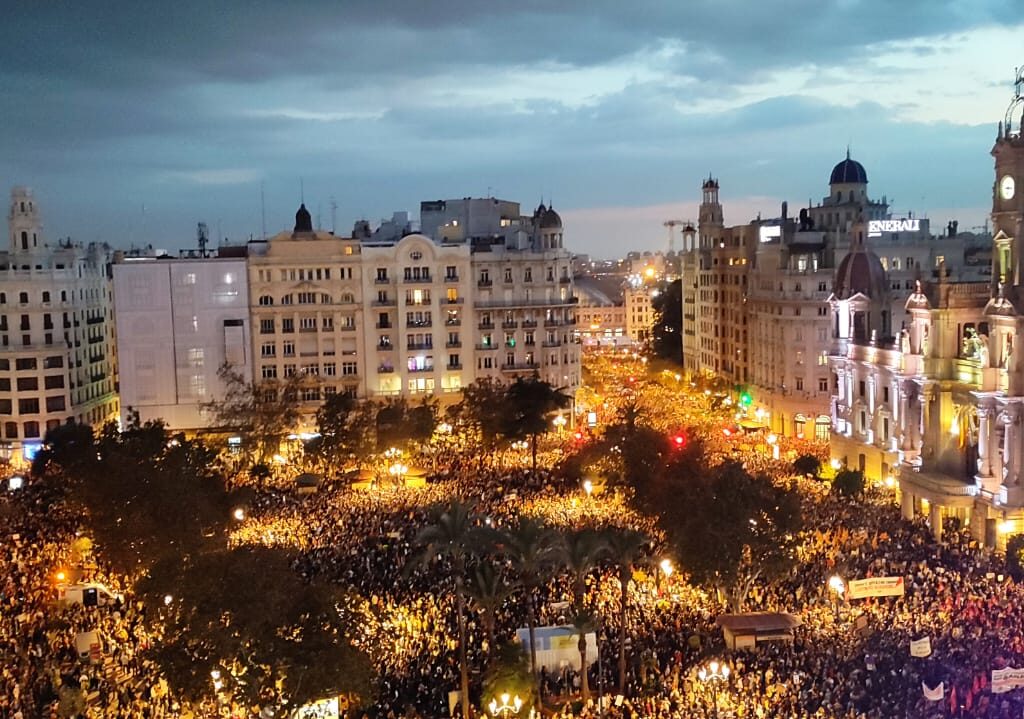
{"x": 942, "y": 403}
{"x": 57, "y": 360}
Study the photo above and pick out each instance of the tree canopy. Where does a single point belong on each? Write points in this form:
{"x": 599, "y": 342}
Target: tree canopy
{"x": 667, "y": 332}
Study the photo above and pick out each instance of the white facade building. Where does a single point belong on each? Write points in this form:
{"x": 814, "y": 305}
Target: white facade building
{"x": 57, "y": 362}
{"x": 178, "y": 321}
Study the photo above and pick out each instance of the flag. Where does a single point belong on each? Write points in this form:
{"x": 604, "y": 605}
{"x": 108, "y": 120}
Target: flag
{"x": 952, "y": 699}
{"x": 933, "y": 695}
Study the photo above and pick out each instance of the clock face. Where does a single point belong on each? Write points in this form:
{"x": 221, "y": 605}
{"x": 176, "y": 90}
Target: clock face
{"x": 1007, "y": 187}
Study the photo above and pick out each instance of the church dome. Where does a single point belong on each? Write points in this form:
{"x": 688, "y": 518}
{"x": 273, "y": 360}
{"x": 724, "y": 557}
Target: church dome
{"x": 303, "y": 220}
{"x": 549, "y": 219}
{"x": 848, "y": 172}
{"x": 861, "y": 271}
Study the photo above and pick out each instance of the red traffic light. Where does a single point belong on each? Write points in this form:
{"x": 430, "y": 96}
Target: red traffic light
{"x": 578, "y": 436}
{"x": 679, "y": 440}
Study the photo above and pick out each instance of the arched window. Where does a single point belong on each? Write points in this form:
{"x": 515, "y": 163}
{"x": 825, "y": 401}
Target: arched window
{"x": 347, "y": 297}
{"x": 23, "y": 298}
{"x": 286, "y": 300}
{"x": 821, "y": 428}
{"x": 266, "y": 300}
{"x": 24, "y": 240}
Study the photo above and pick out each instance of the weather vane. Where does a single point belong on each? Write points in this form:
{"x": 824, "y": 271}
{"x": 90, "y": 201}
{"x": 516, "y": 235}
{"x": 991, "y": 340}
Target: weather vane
{"x": 1017, "y": 101}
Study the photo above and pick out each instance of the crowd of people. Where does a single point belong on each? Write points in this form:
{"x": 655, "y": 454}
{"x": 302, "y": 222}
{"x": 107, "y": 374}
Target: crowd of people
{"x": 848, "y": 659}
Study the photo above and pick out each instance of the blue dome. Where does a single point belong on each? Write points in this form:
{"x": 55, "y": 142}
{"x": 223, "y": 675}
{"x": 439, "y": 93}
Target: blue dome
{"x": 848, "y": 172}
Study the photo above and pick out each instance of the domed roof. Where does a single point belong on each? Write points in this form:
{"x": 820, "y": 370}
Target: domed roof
{"x": 848, "y": 172}
{"x": 549, "y": 219}
{"x": 861, "y": 271}
{"x": 303, "y": 220}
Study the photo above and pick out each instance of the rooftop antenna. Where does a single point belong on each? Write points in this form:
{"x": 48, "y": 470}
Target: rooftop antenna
{"x": 263, "y": 212}
{"x": 334, "y": 214}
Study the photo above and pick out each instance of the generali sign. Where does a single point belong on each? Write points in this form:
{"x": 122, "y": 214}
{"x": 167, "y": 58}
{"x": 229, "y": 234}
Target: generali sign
{"x": 877, "y": 227}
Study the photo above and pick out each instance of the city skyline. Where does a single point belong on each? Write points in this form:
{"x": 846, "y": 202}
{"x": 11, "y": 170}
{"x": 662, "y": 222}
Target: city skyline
{"x": 135, "y": 124}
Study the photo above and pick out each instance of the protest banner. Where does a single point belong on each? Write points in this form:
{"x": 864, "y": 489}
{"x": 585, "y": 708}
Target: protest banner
{"x": 921, "y": 647}
{"x": 1004, "y": 680}
{"x": 875, "y": 587}
{"x": 936, "y": 694}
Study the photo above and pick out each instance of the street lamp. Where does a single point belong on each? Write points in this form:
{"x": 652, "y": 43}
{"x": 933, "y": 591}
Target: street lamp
{"x": 398, "y": 471}
{"x": 713, "y": 674}
{"x": 560, "y": 422}
{"x": 588, "y": 487}
{"x": 239, "y": 514}
{"x": 838, "y": 586}
{"x": 509, "y": 705}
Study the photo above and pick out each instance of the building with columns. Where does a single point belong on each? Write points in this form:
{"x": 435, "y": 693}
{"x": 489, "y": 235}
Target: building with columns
{"x": 57, "y": 361}
{"x": 940, "y": 404}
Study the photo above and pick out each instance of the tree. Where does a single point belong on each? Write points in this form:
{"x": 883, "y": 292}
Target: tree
{"x": 399, "y": 423}
{"x": 263, "y": 413}
{"x": 482, "y": 410}
{"x": 580, "y": 552}
{"x": 67, "y": 448}
{"x": 451, "y": 533}
{"x": 848, "y": 483}
{"x": 245, "y": 613}
{"x": 667, "y": 332}
{"x": 732, "y": 529}
{"x": 628, "y": 549}
{"x": 488, "y": 589}
{"x": 530, "y": 545}
{"x": 528, "y": 404}
{"x": 807, "y": 465}
{"x": 1015, "y": 556}
{"x": 345, "y": 428}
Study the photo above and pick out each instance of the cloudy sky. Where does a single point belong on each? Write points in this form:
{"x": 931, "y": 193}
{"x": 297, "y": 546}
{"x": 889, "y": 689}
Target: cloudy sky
{"x": 135, "y": 120}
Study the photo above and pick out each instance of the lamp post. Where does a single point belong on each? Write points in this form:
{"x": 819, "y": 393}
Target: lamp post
{"x": 588, "y": 487}
{"x": 509, "y": 705}
{"x": 560, "y": 421}
{"x": 838, "y": 587}
{"x": 714, "y": 673}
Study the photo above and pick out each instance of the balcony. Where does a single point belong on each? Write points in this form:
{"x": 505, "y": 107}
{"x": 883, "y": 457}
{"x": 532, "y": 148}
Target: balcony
{"x": 94, "y": 320}
{"x": 551, "y": 323}
{"x": 307, "y": 329}
{"x": 383, "y": 325}
{"x": 385, "y": 347}
{"x": 529, "y": 324}
{"x": 550, "y": 343}
{"x": 418, "y": 280}
{"x": 520, "y": 366}
{"x": 453, "y": 322}
{"x": 347, "y": 328}
{"x": 554, "y": 302}
{"x": 452, "y": 345}
{"x": 419, "y": 323}
{"x": 509, "y": 325}
{"x": 453, "y": 366}
{"x": 486, "y": 347}
{"x": 384, "y": 303}
{"x": 382, "y": 281}
{"x": 565, "y": 280}
{"x": 384, "y": 369}
{"x": 420, "y": 346}
{"x": 453, "y": 300}
{"x": 485, "y": 282}
{"x": 486, "y": 325}
{"x": 451, "y": 278}
{"x": 417, "y": 370}
{"x": 425, "y": 302}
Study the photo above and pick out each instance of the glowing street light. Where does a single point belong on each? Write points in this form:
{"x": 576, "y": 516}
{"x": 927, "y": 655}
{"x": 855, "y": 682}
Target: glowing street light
{"x": 508, "y": 705}
{"x": 666, "y": 567}
{"x": 217, "y": 683}
{"x": 239, "y": 514}
{"x": 838, "y": 587}
{"x": 168, "y": 599}
{"x": 714, "y": 673}
{"x": 588, "y": 487}
{"x": 560, "y": 422}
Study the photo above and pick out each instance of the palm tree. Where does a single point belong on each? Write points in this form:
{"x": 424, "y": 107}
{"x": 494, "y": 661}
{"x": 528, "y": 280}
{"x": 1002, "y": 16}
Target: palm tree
{"x": 451, "y": 533}
{"x": 529, "y": 403}
{"x": 580, "y": 551}
{"x": 625, "y": 548}
{"x": 530, "y": 545}
{"x": 488, "y": 590}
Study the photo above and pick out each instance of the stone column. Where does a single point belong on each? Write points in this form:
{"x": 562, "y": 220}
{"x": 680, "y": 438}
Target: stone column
{"x": 905, "y": 424}
{"x": 927, "y": 430}
{"x": 907, "y": 502}
{"x": 984, "y": 430}
{"x": 935, "y": 519}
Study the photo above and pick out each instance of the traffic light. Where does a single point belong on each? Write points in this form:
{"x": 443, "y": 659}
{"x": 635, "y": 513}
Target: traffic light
{"x": 745, "y": 399}
{"x": 679, "y": 441}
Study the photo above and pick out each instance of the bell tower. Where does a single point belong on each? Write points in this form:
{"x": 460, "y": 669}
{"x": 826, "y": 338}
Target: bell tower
{"x": 26, "y": 228}
{"x": 711, "y": 218}
{"x": 1008, "y": 198}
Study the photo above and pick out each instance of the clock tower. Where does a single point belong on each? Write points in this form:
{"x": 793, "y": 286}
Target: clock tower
{"x": 1008, "y": 200}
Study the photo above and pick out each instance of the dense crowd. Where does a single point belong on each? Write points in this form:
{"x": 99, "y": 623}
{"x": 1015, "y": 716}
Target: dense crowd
{"x": 846, "y": 662}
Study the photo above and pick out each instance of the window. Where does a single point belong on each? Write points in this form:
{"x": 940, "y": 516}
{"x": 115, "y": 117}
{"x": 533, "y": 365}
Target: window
{"x": 269, "y": 371}
{"x": 330, "y": 369}
{"x": 266, "y": 300}
{"x": 307, "y": 324}
{"x": 799, "y": 384}
{"x": 307, "y": 298}
{"x": 31, "y": 430}
{"x": 382, "y": 274}
{"x": 28, "y": 384}
{"x": 23, "y": 298}
{"x": 453, "y": 361}
{"x": 25, "y": 363}
{"x": 288, "y": 349}
{"x": 288, "y": 325}
{"x": 55, "y": 404}
{"x": 29, "y": 405}
{"x": 268, "y": 349}
{"x": 450, "y": 273}
{"x": 349, "y": 369}
{"x": 528, "y": 275}
{"x": 289, "y": 370}
{"x": 266, "y": 327}
{"x": 327, "y": 323}
{"x": 508, "y": 274}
